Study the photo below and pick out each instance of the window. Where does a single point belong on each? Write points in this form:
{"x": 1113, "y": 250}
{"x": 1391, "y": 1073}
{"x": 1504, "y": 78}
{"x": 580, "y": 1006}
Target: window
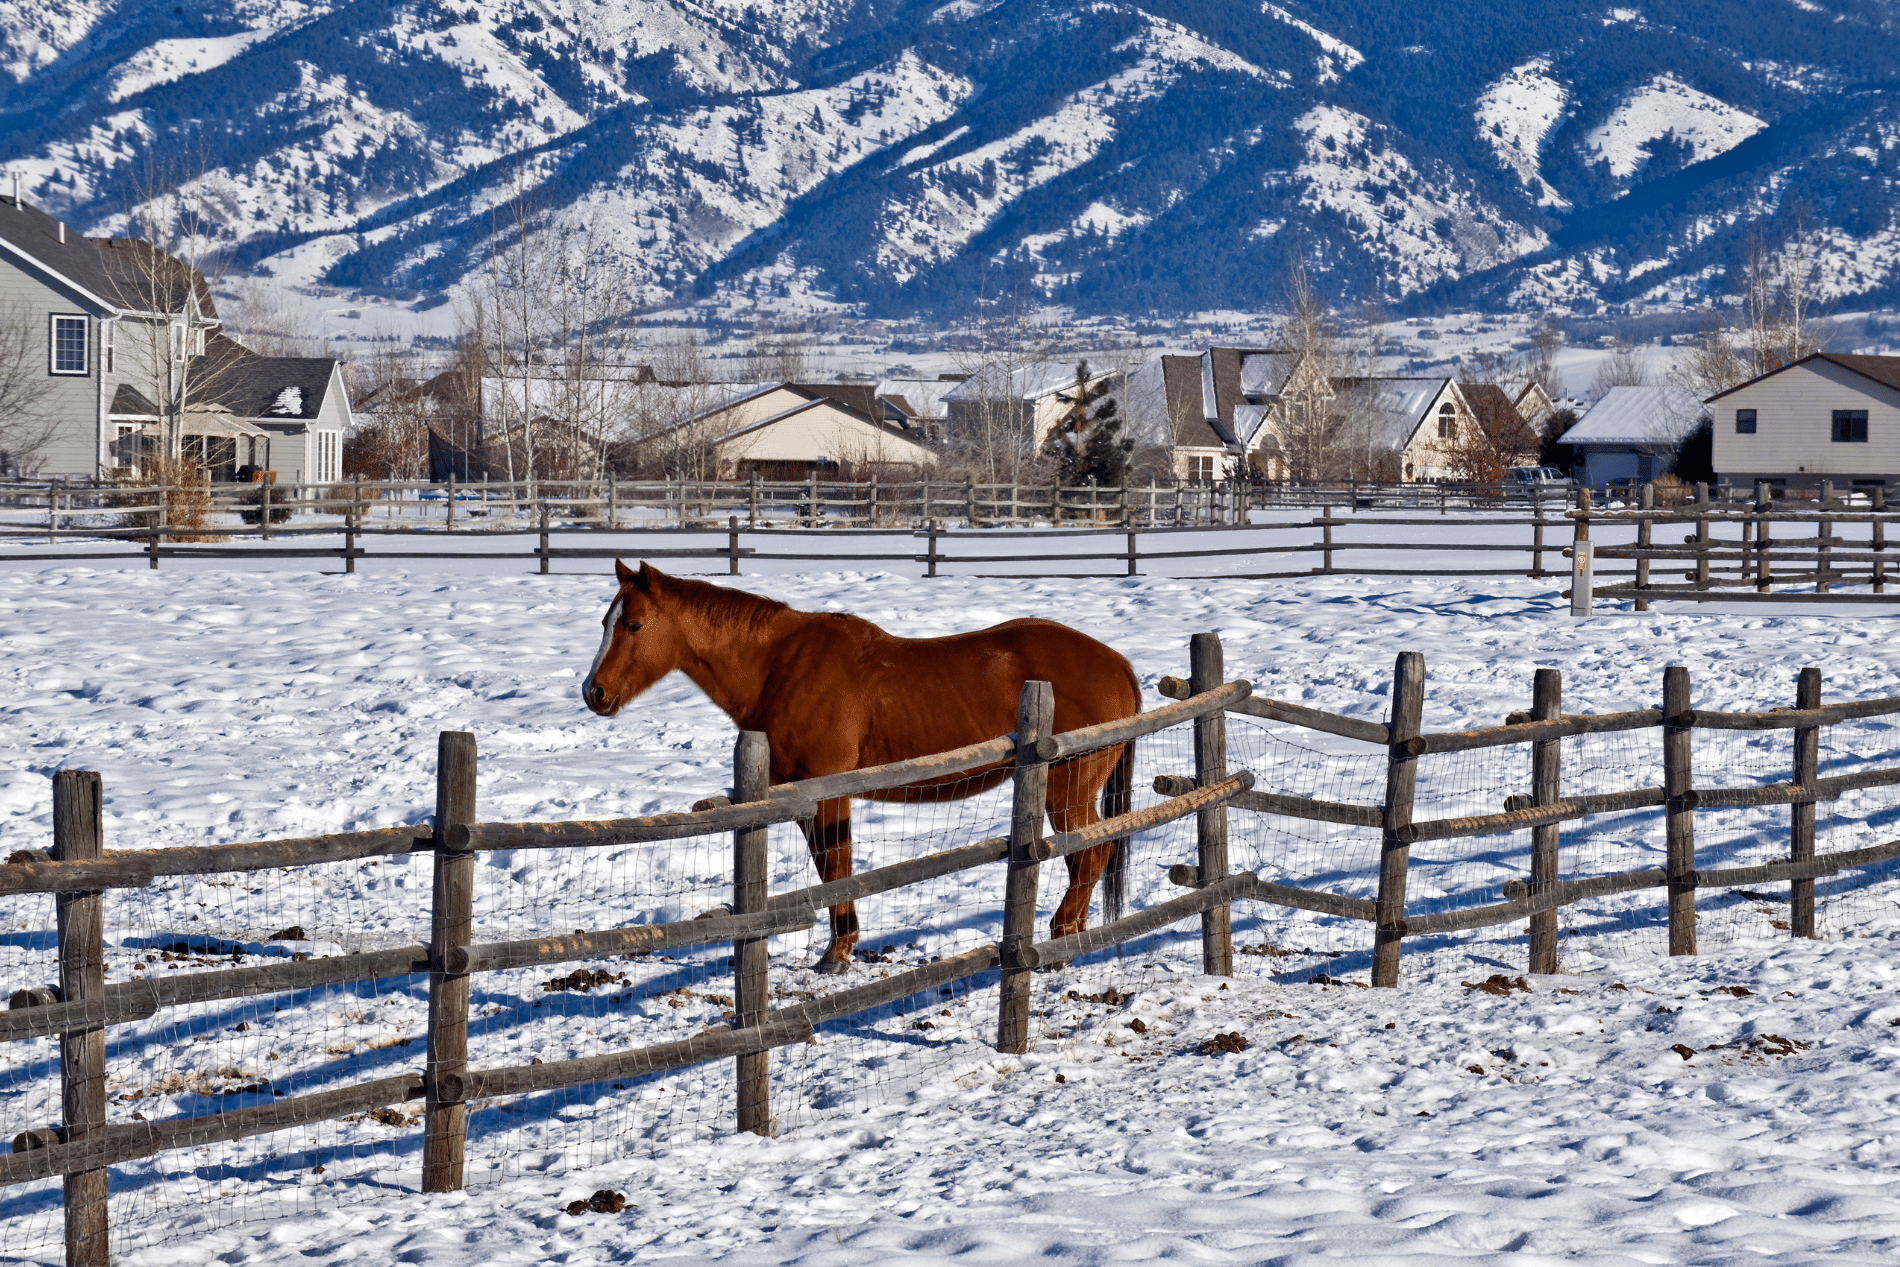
{"x": 1744, "y": 422}
{"x": 1447, "y": 422}
{"x": 1200, "y": 469}
{"x": 325, "y": 465}
{"x": 1850, "y": 426}
{"x": 69, "y": 345}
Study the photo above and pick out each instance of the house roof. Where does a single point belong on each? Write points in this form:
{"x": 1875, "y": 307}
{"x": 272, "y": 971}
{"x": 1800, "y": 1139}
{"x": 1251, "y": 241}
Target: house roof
{"x": 1492, "y": 406}
{"x": 119, "y": 274}
{"x": 921, "y": 397}
{"x": 1638, "y": 415}
{"x": 129, "y": 402}
{"x": 1884, "y": 370}
{"x": 268, "y": 388}
{"x": 1398, "y": 405}
{"x": 823, "y": 402}
{"x": 1020, "y": 382}
{"x": 1182, "y": 384}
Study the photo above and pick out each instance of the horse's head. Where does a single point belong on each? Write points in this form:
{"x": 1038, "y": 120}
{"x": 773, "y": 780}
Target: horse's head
{"x": 640, "y": 644}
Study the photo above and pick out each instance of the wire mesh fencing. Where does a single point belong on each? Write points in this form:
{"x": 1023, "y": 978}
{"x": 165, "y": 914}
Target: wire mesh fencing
{"x": 1320, "y": 825}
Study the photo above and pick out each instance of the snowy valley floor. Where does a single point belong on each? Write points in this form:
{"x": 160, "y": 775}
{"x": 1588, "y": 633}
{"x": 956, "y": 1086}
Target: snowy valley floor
{"x": 1435, "y": 1123}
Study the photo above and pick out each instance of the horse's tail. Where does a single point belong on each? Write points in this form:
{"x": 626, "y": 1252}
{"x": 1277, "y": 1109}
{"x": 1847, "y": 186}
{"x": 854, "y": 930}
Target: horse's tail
{"x": 1117, "y": 798}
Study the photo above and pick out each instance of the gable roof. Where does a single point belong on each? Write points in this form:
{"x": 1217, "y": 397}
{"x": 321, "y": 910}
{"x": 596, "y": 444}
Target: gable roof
{"x": 270, "y": 388}
{"x": 1884, "y": 370}
{"x": 1638, "y": 415}
{"x": 1503, "y": 425}
{"x": 1399, "y": 405}
{"x": 1182, "y": 385}
{"x": 892, "y": 430}
{"x": 1021, "y": 382}
{"x": 111, "y": 272}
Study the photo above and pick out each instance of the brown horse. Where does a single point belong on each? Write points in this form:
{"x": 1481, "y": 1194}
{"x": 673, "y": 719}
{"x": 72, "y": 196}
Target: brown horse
{"x": 833, "y": 692}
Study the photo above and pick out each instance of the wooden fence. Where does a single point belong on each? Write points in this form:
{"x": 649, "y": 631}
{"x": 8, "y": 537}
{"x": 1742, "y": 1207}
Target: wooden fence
{"x": 78, "y": 1010}
{"x": 1735, "y": 551}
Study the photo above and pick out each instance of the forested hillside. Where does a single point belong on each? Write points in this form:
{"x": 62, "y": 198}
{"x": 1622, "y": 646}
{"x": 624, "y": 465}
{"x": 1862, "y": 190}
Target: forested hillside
{"x": 1163, "y": 156}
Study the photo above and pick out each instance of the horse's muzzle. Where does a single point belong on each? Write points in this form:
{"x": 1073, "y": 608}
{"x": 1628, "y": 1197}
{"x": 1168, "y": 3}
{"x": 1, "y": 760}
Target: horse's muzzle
{"x": 598, "y": 700}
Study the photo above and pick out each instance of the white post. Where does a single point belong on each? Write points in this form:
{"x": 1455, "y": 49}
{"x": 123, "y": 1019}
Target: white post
{"x": 1582, "y": 568}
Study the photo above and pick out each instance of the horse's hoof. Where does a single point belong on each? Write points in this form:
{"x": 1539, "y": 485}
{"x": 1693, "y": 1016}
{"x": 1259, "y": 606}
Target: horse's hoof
{"x": 831, "y": 967}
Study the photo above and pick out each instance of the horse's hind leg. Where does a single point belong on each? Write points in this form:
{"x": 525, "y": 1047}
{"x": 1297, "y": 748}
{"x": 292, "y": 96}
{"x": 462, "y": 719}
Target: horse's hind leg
{"x": 1071, "y": 803}
{"x": 829, "y": 837}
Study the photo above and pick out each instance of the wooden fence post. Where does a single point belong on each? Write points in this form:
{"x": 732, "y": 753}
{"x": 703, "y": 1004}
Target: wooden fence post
{"x": 1764, "y": 568}
{"x": 1128, "y": 523}
{"x": 1546, "y": 789}
{"x": 1824, "y": 539}
{"x": 263, "y": 512}
{"x": 930, "y": 549}
{"x": 1702, "y": 536}
{"x": 1326, "y": 537}
{"x": 1878, "y": 501}
{"x": 445, "y": 1123}
{"x": 1206, "y": 670}
{"x": 1679, "y": 818}
{"x": 451, "y": 515}
{"x": 351, "y": 518}
{"x": 158, "y": 524}
{"x": 969, "y": 499}
{"x": 1807, "y": 761}
{"x": 1035, "y": 717}
{"x": 1401, "y": 776}
{"x": 1644, "y": 539}
{"x": 1537, "y": 530}
{"x": 78, "y": 833}
{"x": 751, "y": 781}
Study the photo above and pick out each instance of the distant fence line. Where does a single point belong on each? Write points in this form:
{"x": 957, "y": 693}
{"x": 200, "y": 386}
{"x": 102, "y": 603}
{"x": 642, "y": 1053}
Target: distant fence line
{"x": 1735, "y": 553}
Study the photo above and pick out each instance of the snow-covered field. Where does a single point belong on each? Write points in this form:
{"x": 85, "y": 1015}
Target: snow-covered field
{"x": 1430, "y": 1124}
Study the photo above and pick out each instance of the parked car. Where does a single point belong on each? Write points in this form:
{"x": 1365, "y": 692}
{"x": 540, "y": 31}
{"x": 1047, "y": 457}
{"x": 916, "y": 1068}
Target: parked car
{"x": 1522, "y": 475}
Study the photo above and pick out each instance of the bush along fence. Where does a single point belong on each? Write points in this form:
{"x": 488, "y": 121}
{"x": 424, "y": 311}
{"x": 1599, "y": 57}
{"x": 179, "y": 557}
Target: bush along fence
{"x": 1738, "y": 551}
{"x": 78, "y": 1010}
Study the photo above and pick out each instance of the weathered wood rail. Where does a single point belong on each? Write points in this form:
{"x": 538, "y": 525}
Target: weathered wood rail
{"x": 81, "y": 1007}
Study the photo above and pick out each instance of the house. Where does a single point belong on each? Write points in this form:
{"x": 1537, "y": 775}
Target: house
{"x": 917, "y": 404}
{"x": 791, "y": 430}
{"x": 1217, "y": 403}
{"x": 1025, "y": 402}
{"x": 1407, "y": 429}
{"x": 1505, "y": 423}
{"x": 134, "y": 361}
{"x": 1828, "y": 416}
{"x": 1633, "y": 433}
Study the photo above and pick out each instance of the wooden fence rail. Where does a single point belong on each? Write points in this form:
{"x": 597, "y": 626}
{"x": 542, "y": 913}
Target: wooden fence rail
{"x": 81, "y": 1006}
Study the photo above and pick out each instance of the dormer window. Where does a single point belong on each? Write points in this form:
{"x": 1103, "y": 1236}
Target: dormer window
{"x": 70, "y": 354}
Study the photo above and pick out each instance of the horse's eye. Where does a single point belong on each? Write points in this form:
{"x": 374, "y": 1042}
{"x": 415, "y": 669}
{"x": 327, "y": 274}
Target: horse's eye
{"x": 633, "y": 626}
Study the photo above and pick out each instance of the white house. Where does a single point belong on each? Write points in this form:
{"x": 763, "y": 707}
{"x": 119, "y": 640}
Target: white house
{"x": 1825, "y": 417}
{"x": 1031, "y": 396}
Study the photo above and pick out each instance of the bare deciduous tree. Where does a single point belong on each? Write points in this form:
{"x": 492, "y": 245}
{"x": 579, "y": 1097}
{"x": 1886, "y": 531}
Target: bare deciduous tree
{"x": 28, "y": 423}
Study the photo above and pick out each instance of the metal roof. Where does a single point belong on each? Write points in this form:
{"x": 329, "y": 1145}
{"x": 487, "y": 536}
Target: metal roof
{"x": 1639, "y": 415}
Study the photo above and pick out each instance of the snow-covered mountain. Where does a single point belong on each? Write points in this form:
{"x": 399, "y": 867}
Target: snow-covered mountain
{"x": 1119, "y": 155}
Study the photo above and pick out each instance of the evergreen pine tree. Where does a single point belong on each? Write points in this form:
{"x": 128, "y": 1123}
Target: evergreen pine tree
{"x": 1087, "y": 443}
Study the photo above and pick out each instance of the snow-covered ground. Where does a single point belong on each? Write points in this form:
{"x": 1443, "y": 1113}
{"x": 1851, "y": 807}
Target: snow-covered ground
{"x": 1433, "y": 1123}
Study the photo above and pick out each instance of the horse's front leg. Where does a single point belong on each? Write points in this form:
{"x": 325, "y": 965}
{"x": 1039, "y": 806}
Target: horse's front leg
{"x": 829, "y": 837}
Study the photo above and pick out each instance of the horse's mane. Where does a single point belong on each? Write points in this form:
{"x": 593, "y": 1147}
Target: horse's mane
{"x": 729, "y": 608}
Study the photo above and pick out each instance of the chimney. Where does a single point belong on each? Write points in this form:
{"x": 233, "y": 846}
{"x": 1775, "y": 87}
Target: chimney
{"x": 16, "y": 192}
{"x": 62, "y": 233}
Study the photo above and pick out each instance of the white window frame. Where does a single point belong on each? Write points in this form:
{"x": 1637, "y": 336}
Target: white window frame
{"x": 52, "y": 344}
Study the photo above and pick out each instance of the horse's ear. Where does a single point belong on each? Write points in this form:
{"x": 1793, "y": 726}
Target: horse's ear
{"x": 643, "y": 579}
{"x": 622, "y": 572}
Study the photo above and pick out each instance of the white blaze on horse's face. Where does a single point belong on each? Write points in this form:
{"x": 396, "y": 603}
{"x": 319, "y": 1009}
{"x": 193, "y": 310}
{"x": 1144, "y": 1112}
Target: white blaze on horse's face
{"x": 592, "y": 695}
